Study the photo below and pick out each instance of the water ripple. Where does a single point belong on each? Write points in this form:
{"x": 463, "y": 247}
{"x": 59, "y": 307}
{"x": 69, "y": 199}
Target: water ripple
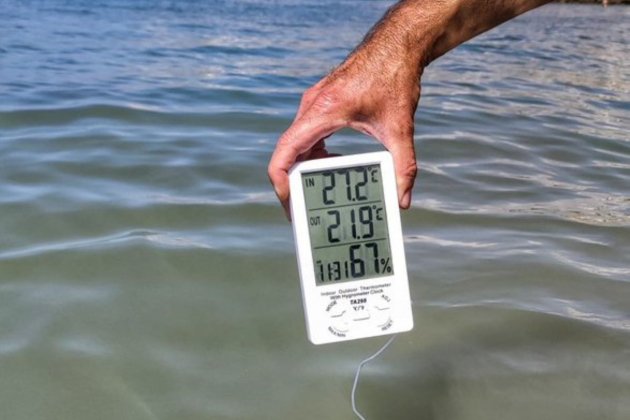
{"x": 448, "y": 243}
{"x": 595, "y": 209}
{"x": 621, "y": 273}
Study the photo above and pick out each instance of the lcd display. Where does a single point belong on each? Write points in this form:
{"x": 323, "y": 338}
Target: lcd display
{"x": 347, "y": 224}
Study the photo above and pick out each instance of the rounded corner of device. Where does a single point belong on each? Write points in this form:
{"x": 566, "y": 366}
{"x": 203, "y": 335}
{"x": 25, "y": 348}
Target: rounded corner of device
{"x": 387, "y": 155}
{"x": 408, "y": 327}
{"x": 292, "y": 169}
{"x": 316, "y": 340}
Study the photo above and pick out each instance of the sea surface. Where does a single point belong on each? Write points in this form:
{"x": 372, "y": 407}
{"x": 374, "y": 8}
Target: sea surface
{"x": 147, "y": 271}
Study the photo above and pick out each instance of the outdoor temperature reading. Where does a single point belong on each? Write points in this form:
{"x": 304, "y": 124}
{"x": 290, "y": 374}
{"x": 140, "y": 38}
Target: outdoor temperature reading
{"x": 347, "y": 223}
{"x": 350, "y": 247}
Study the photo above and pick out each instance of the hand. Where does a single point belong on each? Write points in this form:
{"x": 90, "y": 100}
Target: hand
{"x": 377, "y": 89}
{"x": 375, "y": 96}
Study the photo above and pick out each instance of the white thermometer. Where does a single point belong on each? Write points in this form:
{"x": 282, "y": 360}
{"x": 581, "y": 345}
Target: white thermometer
{"x": 349, "y": 247}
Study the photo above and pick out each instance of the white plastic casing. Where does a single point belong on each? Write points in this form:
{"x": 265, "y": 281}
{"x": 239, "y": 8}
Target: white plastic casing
{"x": 357, "y": 308}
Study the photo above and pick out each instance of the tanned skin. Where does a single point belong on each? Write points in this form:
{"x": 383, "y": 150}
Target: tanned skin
{"x": 377, "y": 88}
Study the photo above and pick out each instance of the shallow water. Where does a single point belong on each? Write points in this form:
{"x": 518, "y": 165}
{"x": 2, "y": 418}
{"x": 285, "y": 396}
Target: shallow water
{"x": 147, "y": 272}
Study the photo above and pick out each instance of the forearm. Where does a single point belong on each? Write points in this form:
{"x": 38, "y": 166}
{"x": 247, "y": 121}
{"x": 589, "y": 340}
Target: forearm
{"x": 473, "y": 17}
{"x": 419, "y": 31}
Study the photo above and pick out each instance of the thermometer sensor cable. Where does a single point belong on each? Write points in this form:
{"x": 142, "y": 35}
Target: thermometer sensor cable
{"x": 358, "y": 373}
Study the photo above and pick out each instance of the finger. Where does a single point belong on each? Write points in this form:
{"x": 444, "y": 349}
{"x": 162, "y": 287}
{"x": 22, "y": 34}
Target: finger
{"x": 308, "y": 98}
{"x": 400, "y": 144}
{"x": 303, "y": 134}
{"x": 318, "y": 151}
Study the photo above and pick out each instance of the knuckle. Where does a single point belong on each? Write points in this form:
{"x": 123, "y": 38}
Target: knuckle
{"x": 325, "y": 106}
{"x": 326, "y": 102}
{"x": 409, "y": 168}
{"x": 308, "y": 96}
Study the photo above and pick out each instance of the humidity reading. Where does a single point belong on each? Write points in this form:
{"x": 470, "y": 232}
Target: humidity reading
{"x": 347, "y": 224}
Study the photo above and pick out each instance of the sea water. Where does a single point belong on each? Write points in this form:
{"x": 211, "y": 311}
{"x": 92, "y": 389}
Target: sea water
{"x": 148, "y": 272}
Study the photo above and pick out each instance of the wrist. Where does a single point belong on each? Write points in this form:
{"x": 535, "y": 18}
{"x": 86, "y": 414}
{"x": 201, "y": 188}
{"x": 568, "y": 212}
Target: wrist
{"x": 423, "y": 23}
{"x": 408, "y": 33}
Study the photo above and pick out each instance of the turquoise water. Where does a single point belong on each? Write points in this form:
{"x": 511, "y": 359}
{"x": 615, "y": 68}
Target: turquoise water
{"x": 147, "y": 271}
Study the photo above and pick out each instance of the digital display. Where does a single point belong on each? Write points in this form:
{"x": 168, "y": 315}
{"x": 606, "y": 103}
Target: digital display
{"x": 347, "y": 224}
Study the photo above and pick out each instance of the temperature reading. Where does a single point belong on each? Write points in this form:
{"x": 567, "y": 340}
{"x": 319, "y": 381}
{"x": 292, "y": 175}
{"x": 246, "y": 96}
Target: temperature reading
{"x": 347, "y": 223}
{"x": 355, "y": 191}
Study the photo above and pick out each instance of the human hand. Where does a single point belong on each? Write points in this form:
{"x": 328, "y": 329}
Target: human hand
{"x": 377, "y": 88}
{"x": 373, "y": 92}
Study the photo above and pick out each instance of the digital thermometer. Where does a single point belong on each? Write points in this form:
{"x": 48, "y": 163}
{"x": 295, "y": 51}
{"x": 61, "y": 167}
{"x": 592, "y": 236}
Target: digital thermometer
{"x": 349, "y": 247}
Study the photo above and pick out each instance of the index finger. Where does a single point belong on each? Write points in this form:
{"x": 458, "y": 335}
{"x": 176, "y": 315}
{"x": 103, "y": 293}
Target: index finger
{"x": 300, "y": 137}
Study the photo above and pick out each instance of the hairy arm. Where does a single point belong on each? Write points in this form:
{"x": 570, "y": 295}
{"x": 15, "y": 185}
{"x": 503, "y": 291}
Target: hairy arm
{"x": 377, "y": 88}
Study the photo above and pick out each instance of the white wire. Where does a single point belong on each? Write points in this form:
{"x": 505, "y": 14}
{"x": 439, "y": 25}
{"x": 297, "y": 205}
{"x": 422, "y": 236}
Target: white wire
{"x": 356, "y": 376}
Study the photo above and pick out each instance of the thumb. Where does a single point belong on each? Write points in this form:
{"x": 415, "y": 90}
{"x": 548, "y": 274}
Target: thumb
{"x": 294, "y": 144}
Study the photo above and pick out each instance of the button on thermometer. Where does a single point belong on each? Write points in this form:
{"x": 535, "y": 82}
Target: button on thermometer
{"x": 349, "y": 247}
